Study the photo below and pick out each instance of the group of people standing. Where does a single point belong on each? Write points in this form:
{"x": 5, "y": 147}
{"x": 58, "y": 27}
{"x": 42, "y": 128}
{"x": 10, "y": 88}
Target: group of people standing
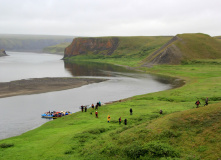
{"x": 119, "y": 120}
{"x": 84, "y": 109}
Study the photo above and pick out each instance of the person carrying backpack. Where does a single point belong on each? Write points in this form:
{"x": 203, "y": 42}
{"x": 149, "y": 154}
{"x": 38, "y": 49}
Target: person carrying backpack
{"x": 197, "y": 103}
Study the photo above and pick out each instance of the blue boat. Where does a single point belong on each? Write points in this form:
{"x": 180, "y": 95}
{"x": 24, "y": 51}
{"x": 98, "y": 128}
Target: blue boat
{"x": 46, "y": 115}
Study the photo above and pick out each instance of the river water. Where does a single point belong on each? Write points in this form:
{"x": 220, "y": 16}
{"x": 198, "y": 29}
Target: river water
{"x": 22, "y": 113}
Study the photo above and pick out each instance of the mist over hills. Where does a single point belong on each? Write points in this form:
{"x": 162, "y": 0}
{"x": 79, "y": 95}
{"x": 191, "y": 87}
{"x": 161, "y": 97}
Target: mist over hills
{"x": 33, "y": 43}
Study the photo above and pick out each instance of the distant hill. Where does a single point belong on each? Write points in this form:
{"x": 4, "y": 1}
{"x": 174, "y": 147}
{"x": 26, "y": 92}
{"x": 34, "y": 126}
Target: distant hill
{"x": 58, "y": 48}
{"x": 34, "y": 43}
{"x": 186, "y": 47}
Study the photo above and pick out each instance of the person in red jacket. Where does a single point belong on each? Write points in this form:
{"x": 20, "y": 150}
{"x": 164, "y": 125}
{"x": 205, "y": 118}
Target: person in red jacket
{"x": 197, "y": 103}
{"x": 96, "y": 114}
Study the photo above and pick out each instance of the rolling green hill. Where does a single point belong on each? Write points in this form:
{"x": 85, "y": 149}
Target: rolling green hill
{"x": 186, "y": 47}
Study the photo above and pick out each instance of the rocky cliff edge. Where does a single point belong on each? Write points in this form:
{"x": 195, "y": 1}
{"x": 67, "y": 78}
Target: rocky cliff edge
{"x": 95, "y": 46}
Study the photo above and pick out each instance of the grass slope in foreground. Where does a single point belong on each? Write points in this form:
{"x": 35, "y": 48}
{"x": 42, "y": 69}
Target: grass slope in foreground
{"x": 182, "y": 132}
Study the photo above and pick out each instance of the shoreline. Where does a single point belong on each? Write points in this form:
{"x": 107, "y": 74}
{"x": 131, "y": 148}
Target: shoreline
{"x": 43, "y": 85}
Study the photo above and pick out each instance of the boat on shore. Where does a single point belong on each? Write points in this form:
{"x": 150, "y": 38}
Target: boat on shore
{"x": 55, "y": 114}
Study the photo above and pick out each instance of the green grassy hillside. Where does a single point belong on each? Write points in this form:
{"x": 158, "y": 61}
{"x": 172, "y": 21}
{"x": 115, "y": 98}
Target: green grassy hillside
{"x": 181, "y": 132}
{"x": 186, "y": 47}
{"x": 139, "y": 47}
{"x": 149, "y": 51}
{"x": 199, "y": 46}
{"x": 129, "y": 49}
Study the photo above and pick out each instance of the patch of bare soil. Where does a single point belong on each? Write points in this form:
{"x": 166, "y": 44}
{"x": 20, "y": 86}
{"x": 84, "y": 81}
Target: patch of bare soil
{"x": 42, "y": 85}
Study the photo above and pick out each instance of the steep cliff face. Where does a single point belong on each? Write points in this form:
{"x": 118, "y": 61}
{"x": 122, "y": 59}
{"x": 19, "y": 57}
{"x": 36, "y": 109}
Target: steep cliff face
{"x": 2, "y": 53}
{"x": 103, "y": 46}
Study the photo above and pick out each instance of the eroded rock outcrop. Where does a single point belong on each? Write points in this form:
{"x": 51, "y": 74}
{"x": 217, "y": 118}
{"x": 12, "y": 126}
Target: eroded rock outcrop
{"x": 184, "y": 48}
{"x": 2, "y": 53}
{"x": 167, "y": 54}
{"x": 93, "y": 46}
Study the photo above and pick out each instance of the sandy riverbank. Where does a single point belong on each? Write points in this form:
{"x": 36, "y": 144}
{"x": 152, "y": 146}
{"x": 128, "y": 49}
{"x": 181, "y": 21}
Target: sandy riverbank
{"x": 42, "y": 85}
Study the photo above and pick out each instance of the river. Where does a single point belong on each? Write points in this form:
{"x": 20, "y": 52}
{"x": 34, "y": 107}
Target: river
{"x": 22, "y": 113}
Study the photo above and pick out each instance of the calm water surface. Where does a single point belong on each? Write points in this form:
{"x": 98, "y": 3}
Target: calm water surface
{"x": 23, "y": 113}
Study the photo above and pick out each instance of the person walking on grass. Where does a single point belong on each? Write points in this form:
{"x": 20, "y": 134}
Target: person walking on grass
{"x": 197, "y": 103}
{"x": 120, "y": 120}
{"x": 125, "y": 121}
{"x": 82, "y": 108}
{"x": 131, "y": 111}
{"x": 108, "y": 118}
{"x": 206, "y": 101}
{"x": 96, "y": 114}
{"x": 96, "y": 107}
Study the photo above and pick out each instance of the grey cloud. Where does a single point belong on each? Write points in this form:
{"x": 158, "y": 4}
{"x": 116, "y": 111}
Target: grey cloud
{"x": 110, "y": 17}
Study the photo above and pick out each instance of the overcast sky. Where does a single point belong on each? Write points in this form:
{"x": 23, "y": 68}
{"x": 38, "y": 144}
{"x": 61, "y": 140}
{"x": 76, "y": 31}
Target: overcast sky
{"x": 110, "y": 17}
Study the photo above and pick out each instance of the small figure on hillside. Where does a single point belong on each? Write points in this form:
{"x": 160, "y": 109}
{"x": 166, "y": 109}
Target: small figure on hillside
{"x": 92, "y": 106}
{"x": 96, "y": 114}
{"x": 161, "y": 111}
{"x": 99, "y": 103}
{"x": 96, "y": 107}
{"x": 82, "y": 108}
{"x": 206, "y": 101}
{"x": 120, "y": 120}
{"x": 197, "y": 103}
{"x": 125, "y": 121}
{"x": 108, "y": 118}
{"x": 131, "y": 111}
{"x": 85, "y": 108}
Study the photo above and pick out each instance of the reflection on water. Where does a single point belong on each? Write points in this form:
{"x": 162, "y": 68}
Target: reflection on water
{"x": 174, "y": 82}
{"x": 81, "y": 68}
